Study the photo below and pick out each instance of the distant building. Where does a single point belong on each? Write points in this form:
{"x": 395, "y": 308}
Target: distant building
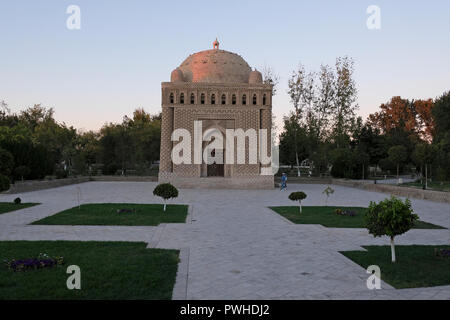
{"x": 219, "y": 89}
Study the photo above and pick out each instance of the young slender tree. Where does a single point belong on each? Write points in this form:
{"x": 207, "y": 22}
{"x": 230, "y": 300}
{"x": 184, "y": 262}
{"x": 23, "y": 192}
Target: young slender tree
{"x": 325, "y": 100}
{"x": 296, "y": 92}
{"x": 344, "y": 108}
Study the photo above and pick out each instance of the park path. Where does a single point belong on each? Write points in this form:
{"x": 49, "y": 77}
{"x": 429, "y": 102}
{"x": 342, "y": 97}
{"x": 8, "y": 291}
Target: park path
{"x": 237, "y": 248}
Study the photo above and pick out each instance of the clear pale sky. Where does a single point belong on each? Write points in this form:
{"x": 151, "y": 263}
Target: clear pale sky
{"x": 125, "y": 49}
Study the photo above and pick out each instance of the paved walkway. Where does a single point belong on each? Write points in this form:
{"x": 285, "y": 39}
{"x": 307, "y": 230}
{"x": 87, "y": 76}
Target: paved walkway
{"x": 237, "y": 248}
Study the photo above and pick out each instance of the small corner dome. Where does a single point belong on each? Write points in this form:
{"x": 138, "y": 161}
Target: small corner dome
{"x": 255, "y": 77}
{"x": 176, "y": 75}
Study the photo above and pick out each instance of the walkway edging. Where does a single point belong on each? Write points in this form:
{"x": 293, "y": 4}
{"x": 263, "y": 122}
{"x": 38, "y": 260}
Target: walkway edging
{"x": 180, "y": 288}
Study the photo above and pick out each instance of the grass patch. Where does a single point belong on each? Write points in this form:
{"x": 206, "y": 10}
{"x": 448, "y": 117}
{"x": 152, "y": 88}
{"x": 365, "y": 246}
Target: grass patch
{"x": 109, "y": 270}
{"x": 432, "y": 185}
{"x": 10, "y": 206}
{"x": 105, "y": 214}
{"x": 326, "y": 217}
{"x": 416, "y": 266}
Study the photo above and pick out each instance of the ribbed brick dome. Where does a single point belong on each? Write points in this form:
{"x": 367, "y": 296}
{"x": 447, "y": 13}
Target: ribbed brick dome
{"x": 215, "y": 66}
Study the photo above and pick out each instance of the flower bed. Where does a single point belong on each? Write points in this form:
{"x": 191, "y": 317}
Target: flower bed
{"x": 42, "y": 261}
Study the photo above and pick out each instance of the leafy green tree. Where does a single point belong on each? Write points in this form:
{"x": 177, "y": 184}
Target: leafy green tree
{"x": 441, "y": 116}
{"x": 362, "y": 159}
{"x": 6, "y": 162}
{"x": 4, "y": 183}
{"x": 300, "y": 93}
{"x": 370, "y": 141}
{"x": 165, "y": 191}
{"x": 133, "y": 143}
{"x": 19, "y": 141}
{"x": 422, "y": 156}
{"x": 324, "y": 101}
{"x": 390, "y": 217}
{"x": 397, "y": 155}
{"x": 442, "y": 157}
{"x": 345, "y": 106}
{"x": 35, "y": 115}
{"x": 22, "y": 171}
{"x": 341, "y": 161}
{"x": 292, "y": 142}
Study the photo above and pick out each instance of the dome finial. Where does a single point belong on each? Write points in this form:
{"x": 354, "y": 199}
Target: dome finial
{"x": 216, "y": 44}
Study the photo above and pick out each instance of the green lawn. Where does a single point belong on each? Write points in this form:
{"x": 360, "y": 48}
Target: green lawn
{"x": 327, "y": 218}
{"x": 432, "y": 185}
{"x": 109, "y": 270}
{"x": 105, "y": 214}
{"x": 11, "y": 206}
{"x": 416, "y": 266}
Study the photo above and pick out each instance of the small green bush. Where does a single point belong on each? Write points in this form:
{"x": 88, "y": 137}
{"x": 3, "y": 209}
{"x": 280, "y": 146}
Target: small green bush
{"x": 4, "y": 183}
{"x": 165, "y": 191}
{"x": 328, "y": 191}
{"x": 17, "y": 200}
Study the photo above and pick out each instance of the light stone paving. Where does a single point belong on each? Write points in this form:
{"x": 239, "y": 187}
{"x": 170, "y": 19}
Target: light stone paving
{"x": 234, "y": 247}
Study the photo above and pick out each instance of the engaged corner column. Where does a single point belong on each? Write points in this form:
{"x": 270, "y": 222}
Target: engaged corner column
{"x": 266, "y": 123}
{"x": 165, "y": 161}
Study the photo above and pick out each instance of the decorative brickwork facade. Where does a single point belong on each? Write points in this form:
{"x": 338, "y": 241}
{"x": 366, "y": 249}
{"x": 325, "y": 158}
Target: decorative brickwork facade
{"x": 219, "y": 89}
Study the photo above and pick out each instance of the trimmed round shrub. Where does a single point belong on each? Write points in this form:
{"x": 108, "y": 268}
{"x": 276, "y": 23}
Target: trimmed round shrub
{"x": 17, "y": 200}
{"x": 165, "y": 191}
{"x": 297, "y": 196}
{"x": 4, "y": 183}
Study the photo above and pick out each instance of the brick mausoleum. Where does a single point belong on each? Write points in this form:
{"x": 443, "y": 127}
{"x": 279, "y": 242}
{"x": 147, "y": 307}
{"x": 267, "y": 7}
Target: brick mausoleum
{"x": 220, "y": 89}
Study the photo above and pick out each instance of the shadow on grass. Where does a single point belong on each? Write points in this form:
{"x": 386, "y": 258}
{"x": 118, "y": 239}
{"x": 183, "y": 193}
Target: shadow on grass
{"x": 416, "y": 266}
{"x": 118, "y": 214}
{"x": 326, "y": 216}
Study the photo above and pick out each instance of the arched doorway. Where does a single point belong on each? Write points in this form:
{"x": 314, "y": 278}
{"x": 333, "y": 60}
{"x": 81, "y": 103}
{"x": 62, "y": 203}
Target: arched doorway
{"x": 213, "y": 152}
{"x": 216, "y": 169}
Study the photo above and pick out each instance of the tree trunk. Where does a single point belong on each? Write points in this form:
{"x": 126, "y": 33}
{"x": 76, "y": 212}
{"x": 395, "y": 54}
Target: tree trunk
{"x": 398, "y": 178}
{"x": 392, "y": 249}
{"x": 164, "y": 205}
{"x": 426, "y": 176}
{"x": 421, "y": 175}
{"x": 300, "y": 202}
{"x": 298, "y": 165}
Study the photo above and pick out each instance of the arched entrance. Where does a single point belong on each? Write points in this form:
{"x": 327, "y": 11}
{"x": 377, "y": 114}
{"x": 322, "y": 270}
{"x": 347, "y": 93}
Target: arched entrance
{"x": 213, "y": 152}
{"x": 216, "y": 169}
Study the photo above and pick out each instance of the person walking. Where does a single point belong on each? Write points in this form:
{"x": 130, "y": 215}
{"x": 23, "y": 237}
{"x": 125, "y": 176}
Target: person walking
{"x": 283, "y": 182}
